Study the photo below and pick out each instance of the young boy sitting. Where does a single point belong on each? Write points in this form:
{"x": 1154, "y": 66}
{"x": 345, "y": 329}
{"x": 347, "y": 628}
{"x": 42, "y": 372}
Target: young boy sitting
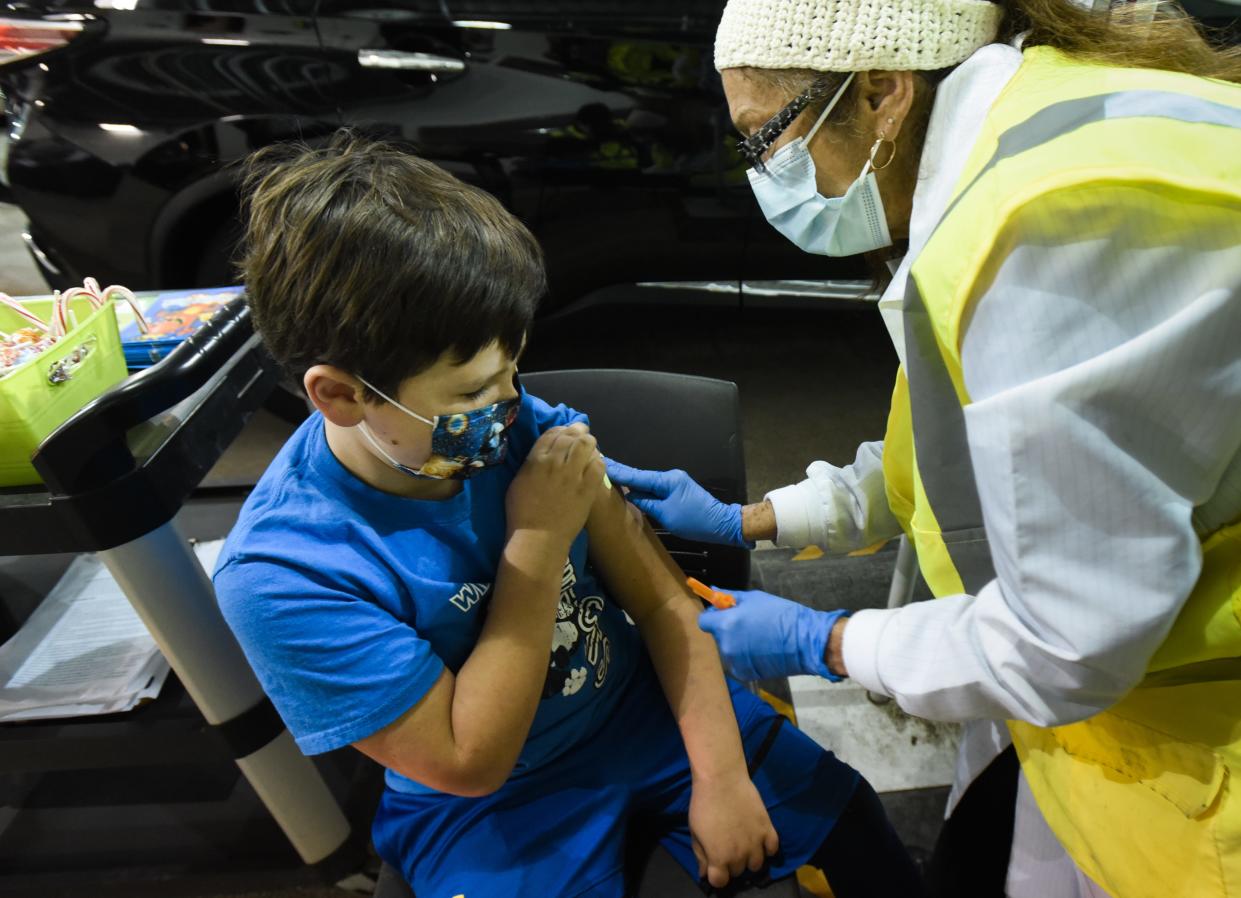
{"x": 401, "y": 571}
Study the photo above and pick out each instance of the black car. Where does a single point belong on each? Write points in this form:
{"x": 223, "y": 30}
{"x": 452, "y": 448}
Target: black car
{"x": 601, "y": 124}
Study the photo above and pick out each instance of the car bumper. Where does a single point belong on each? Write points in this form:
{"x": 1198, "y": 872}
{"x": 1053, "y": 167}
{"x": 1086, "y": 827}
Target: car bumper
{"x": 50, "y": 265}
{"x": 6, "y": 138}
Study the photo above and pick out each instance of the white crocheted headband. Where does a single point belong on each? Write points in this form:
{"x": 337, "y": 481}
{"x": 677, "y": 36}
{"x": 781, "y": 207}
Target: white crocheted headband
{"x": 853, "y": 35}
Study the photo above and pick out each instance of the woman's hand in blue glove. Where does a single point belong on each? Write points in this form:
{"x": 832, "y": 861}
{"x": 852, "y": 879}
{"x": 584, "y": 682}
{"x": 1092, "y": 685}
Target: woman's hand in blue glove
{"x": 765, "y": 636}
{"x": 680, "y": 505}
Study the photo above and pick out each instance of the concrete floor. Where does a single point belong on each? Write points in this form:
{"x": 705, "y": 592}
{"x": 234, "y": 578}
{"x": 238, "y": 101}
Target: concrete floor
{"x": 18, "y": 274}
{"x": 813, "y": 385}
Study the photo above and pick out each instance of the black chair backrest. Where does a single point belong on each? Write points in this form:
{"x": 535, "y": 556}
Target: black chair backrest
{"x": 657, "y": 420}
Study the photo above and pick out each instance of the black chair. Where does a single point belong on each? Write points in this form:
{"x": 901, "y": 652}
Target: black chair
{"x": 655, "y": 420}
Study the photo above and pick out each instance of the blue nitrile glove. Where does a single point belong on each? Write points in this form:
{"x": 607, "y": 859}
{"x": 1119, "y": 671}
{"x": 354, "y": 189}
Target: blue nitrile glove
{"x": 766, "y": 636}
{"x": 680, "y": 505}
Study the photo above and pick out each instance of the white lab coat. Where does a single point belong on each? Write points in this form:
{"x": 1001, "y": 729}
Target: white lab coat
{"x": 1105, "y": 433}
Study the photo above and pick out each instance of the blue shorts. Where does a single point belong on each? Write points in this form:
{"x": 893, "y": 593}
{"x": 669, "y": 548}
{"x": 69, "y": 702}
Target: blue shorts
{"x": 559, "y": 832}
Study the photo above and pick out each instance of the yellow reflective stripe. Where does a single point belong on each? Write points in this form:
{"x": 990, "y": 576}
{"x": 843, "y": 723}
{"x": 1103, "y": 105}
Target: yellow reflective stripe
{"x": 1212, "y": 671}
{"x": 945, "y": 468}
{"x": 940, "y": 440}
{"x": 937, "y": 566}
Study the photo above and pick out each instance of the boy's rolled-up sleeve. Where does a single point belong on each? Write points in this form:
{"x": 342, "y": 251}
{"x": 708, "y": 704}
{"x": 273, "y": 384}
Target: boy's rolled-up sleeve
{"x": 535, "y": 419}
{"x": 337, "y": 666}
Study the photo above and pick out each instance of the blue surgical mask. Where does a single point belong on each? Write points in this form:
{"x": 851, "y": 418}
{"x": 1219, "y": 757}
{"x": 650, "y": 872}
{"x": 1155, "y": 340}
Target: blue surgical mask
{"x": 462, "y": 444}
{"x": 828, "y": 226}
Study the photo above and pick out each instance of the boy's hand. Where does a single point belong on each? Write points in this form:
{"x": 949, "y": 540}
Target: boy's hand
{"x": 556, "y": 486}
{"x": 729, "y": 829}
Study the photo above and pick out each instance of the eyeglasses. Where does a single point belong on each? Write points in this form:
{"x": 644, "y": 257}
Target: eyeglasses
{"x": 754, "y": 147}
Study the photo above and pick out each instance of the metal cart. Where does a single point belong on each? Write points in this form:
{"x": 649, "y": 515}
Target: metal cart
{"x": 115, "y": 475}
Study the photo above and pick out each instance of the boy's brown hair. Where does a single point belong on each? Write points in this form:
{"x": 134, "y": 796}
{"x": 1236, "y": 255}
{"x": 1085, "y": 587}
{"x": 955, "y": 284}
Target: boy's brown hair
{"x": 361, "y": 255}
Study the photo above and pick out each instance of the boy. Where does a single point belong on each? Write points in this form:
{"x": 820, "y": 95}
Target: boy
{"x": 400, "y": 572}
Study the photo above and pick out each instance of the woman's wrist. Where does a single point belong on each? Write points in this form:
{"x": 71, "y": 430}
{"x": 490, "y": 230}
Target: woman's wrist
{"x": 758, "y": 521}
{"x": 834, "y": 650}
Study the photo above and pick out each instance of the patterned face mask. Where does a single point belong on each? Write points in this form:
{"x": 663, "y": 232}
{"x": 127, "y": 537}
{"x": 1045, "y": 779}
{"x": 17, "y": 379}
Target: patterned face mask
{"x": 462, "y": 444}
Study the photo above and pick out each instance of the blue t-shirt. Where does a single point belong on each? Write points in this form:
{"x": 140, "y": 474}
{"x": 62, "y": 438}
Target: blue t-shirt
{"x": 349, "y": 601}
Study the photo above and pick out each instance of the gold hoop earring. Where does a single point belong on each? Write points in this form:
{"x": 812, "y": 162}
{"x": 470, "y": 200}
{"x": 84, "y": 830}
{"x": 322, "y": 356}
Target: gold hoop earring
{"x": 875, "y": 150}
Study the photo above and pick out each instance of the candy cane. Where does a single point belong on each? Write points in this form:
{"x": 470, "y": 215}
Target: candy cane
{"x": 60, "y": 314}
{"x": 89, "y": 289}
{"x": 126, "y": 294}
{"x": 20, "y": 309}
{"x": 68, "y": 296}
{"x": 96, "y": 301}
{"x": 96, "y": 292}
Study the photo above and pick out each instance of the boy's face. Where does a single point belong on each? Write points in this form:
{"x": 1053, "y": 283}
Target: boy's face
{"x": 446, "y": 388}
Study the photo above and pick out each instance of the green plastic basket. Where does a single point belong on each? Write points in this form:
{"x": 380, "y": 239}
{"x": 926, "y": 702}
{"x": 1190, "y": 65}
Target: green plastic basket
{"x": 40, "y": 395}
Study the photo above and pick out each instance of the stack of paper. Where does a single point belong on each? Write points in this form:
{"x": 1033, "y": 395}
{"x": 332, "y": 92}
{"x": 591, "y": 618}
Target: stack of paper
{"x": 84, "y": 650}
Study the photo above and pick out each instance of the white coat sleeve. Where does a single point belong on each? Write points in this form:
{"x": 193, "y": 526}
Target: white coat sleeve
{"x": 1105, "y": 422}
{"x": 838, "y": 509}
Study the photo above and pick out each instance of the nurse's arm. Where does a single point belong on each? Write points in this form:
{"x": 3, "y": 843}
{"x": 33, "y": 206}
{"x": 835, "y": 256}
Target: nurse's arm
{"x": 644, "y": 580}
{"x": 758, "y": 521}
{"x": 839, "y": 509}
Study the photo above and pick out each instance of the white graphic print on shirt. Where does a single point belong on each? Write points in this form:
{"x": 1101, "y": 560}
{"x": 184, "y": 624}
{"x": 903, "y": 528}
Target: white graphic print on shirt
{"x": 577, "y": 619}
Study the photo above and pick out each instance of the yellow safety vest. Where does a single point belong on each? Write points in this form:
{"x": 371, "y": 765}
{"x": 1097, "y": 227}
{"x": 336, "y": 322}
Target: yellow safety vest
{"x": 1141, "y": 796}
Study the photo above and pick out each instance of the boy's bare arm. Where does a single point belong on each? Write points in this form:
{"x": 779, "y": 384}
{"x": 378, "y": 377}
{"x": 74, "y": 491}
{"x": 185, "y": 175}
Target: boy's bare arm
{"x": 644, "y": 580}
{"x": 466, "y": 733}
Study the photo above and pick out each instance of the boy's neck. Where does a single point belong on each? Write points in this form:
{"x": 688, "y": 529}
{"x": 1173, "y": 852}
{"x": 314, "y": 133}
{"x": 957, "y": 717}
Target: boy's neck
{"x": 346, "y": 444}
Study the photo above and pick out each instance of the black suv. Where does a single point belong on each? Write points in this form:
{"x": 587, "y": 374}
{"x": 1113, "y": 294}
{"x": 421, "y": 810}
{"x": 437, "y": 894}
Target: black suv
{"x": 601, "y": 124}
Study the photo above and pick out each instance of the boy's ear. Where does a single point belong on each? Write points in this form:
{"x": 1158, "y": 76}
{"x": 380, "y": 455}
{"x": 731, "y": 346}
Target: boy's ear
{"x": 336, "y": 393}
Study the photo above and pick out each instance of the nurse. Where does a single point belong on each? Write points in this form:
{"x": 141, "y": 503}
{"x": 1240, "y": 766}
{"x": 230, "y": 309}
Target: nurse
{"x": 1058, "y": 191}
